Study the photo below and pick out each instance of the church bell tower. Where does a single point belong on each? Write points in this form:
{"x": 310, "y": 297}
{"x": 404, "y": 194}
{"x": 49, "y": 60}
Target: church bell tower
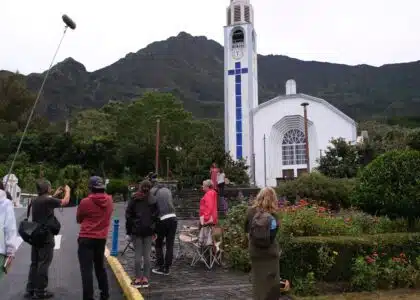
{"x": 241, "y": 80}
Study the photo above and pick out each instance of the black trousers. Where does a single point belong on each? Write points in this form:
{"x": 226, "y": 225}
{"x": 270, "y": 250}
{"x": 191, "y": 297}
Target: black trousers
{"x": 91, "y": 256}
{"x": 221, "y": 188}
{"x": 166, "y": 231}
{"x": 41, "y": 258}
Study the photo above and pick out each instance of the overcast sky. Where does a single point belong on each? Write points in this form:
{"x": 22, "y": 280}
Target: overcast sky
{"x": 374, "y": 32}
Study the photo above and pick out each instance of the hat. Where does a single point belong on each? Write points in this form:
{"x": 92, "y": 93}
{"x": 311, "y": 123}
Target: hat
{"x": 96, "y": 182}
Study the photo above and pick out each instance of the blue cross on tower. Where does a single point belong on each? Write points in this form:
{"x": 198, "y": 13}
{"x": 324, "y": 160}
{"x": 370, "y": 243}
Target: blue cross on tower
{"x": 238, "y": 95}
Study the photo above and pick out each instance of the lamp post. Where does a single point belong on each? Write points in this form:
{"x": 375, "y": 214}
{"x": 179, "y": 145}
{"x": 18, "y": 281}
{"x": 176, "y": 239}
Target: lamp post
{"x": 305, "y": 120}
{"x": 167, "y": 168}
{"x": 157, "y": 145}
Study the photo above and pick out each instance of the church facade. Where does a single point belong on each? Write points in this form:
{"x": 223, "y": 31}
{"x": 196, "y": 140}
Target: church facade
{"x": 271, "y": 136}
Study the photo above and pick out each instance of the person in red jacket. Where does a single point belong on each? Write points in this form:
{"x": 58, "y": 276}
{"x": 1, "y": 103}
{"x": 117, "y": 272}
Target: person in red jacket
{"x": 208, "y": 205}
{"x": 94, "y": 216}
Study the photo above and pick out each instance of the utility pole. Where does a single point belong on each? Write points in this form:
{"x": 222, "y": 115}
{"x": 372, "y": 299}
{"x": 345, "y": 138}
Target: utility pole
{"x": 167, "y": 168}
{"x": 157, "y": 145}
{"x": 305, "y": 117}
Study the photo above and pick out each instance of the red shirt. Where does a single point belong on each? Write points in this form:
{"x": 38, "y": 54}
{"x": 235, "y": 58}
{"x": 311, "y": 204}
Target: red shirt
{"x": 208, "y": 206}
{"x": 94, "y": 216}
{"x": 213, "y": 176}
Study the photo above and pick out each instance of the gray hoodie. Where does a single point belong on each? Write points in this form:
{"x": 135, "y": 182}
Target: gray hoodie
{"x": 162, "y": 196}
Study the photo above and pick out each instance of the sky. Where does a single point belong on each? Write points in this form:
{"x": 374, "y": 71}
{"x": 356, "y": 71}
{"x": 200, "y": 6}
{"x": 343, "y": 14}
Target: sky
{"x": 373, "y": 32}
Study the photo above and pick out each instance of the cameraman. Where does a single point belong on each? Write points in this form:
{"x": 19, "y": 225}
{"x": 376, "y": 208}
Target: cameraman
{"x": 41, "y": 257}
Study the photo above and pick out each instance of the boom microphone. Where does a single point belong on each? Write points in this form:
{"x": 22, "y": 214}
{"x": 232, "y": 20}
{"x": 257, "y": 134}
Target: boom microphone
{"x": 69, "y": 22}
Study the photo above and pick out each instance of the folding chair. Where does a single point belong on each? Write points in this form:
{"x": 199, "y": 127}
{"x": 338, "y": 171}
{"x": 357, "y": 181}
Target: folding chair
{"x": 204, "y": 248}
{"x": 128, "y": 246}
{"x": 217, "y": 253}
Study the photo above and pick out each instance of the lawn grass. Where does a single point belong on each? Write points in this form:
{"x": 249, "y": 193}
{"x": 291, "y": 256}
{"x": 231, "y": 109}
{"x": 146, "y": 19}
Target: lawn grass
{"x": 406, "y": 294}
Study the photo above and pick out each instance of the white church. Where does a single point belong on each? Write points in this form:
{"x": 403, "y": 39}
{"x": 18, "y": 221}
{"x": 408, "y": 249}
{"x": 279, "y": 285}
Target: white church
{"x": 271, "y": 136}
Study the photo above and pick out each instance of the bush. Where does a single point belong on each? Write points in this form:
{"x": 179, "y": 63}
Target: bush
{"x": 318, "y": 187}
{"x": 390, "y": 185}
{"x": 313, "y": 220}
{"x": 374, "y": 271}
{"x": 302, "y": 255}
{"x": 334, "y": 243}
{"x": 234, "y": 239}
{"x": 117, "y": 186}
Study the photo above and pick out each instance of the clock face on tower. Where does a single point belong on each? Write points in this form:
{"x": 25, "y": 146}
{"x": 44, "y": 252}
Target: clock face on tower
{"x": 237, "y": 53}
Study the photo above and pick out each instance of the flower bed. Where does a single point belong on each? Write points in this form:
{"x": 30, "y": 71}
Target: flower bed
{"x": 318, "y": 245}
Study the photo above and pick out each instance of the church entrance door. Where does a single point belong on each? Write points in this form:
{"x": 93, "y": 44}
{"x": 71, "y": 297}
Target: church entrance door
{"x": 301, "y": 171}
{"x": 288, "y": 173}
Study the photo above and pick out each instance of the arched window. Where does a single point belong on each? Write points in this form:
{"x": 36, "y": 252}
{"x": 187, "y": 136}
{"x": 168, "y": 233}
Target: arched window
{"x": 294, "y": 148}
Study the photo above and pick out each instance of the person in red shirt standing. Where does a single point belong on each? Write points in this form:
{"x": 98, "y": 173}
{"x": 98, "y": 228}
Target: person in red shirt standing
{"x": 208, "y": 205}
{"x": 214, "y": 170}
{"x": 94, "y": 216}
{"x": 208, "y": 213}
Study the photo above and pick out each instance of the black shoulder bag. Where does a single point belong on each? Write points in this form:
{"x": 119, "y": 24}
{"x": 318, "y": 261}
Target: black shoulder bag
{"x": 33, "y": 233}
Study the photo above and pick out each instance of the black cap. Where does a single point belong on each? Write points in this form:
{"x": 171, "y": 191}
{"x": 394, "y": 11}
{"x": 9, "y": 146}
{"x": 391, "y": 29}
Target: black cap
{"x": 96, "y": 182}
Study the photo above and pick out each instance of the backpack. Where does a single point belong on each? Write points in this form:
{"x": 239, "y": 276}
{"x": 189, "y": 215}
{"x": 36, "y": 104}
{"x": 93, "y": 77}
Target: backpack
{"x": 259, "y": 232}
{"x": 143, "y": 222}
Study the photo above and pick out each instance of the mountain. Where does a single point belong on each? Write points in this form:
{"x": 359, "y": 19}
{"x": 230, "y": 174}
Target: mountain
{"x": 192, "y": 68}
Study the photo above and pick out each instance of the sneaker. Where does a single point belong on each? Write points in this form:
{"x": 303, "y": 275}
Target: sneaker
{"x": 161, "y": 271}
{"x": 137, "y": 283}
{"x": 42, "y": 295}
{"x": 145, "y": 283}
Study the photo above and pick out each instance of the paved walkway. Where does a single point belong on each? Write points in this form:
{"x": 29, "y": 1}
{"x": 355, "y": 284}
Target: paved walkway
{"x": 185, "y": 282}
{"x": 64, "y": 276}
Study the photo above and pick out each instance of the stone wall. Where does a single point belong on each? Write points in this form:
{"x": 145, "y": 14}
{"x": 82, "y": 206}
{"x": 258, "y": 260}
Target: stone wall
{"x": 187, "y": 201}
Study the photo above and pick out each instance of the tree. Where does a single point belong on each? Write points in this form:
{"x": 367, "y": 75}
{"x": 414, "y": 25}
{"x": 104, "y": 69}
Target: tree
{"x": 341, "y": 160}
{"x": 390, "y": 185}
{"x": 15, "y": 100}
{"x": 413, "y": 140}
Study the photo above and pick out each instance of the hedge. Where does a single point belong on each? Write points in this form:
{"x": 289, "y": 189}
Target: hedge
{"x": 301, "y": 255}
{"x": 315, "y": 186}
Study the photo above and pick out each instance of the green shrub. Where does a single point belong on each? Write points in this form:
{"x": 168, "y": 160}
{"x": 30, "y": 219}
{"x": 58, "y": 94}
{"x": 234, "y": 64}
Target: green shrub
{"x": 305, "y": 219}
{"x": 301, "y": 255}
{"x": 318, "y": 187}
{"x": 390, "y": 185}
{"x": 304, "y": 222}
{"x": 373, "y": 272}
{"x": 117, "y": 186}
{"x": 234, "y": 238}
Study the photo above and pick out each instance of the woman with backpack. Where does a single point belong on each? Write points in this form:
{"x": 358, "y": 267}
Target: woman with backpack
{"x": 140, "y": 226}
{"x": 261, "y": 226}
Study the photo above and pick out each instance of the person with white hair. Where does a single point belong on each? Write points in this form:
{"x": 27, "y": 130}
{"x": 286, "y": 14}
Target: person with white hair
{"x": 208, "y": 205}
{"x": 8, "y": 230}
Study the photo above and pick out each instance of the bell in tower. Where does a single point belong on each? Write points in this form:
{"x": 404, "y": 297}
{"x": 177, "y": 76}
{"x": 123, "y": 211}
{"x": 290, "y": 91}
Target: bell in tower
{"x": 240, "y": 12}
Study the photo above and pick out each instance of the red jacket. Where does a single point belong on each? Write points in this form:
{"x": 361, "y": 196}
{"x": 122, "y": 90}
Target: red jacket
{"x": 208, "y": 206}
{"x": 94, "y": 216}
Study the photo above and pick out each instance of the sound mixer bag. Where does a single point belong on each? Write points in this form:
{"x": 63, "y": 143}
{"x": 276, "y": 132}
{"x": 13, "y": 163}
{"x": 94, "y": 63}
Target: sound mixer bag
{"x": 33, "y": 233}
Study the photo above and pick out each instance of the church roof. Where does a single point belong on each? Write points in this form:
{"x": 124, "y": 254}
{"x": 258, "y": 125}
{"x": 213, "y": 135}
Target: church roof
{"x": 309, "y": 98}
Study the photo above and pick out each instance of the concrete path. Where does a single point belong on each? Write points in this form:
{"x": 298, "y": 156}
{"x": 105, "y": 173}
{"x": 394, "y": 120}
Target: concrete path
{"x": 64, "y": 276}
{"x": 184, "y": 282}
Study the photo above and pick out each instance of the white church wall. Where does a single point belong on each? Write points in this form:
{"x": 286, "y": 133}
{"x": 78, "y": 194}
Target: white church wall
{"x": 324, "y": 122}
